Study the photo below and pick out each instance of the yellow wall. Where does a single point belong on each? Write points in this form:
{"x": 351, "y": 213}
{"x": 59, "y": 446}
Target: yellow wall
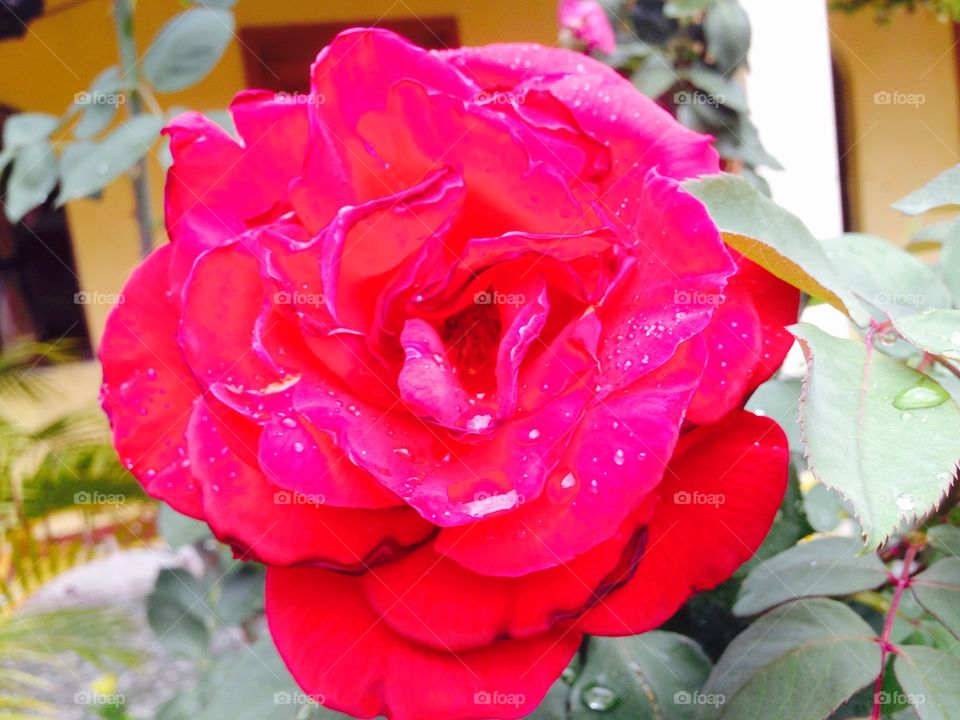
{"x": 896, "y": 148}
{"x": 63, "y": 53}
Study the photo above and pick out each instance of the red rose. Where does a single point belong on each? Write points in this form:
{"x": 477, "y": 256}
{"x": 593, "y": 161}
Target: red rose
{"x": 447, "y": 347}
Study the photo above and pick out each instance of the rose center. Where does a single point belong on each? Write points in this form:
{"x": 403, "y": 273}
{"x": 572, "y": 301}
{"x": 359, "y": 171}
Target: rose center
{"x": 472, "y": 337}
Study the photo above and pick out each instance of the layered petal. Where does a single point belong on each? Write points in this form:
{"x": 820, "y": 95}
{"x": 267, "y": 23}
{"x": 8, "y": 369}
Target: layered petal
{"x": 717, "y": 502}
{"x": 747, "y": 339}
{"x": 340, "y": 650}
{"x": 679, "y": 253}
{"x": 217, "y": 185}
{"x": 604, "y": 106}
{"x": 438, "y": 602}
{"x": 614, "y": 460}
{"x": 263, "y": 521}
{"x": 147, "y": 389}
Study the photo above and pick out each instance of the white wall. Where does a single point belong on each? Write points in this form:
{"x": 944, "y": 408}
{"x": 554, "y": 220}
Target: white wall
{"x": 791, "y": 95}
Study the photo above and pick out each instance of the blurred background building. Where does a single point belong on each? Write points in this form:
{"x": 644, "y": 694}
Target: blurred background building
{"x": 859, "y": 113}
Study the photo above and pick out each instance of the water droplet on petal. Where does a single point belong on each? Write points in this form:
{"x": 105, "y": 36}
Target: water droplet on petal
{"x": 479, "y": 423}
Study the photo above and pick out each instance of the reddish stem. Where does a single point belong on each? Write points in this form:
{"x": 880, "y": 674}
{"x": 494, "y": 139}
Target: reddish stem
{"x": 903, "y": 582}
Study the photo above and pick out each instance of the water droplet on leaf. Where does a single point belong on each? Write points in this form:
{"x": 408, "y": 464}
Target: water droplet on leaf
{"x": 600, "y": 698}
{"x": 925, "y": 394}
{"x": 906, "y": 502}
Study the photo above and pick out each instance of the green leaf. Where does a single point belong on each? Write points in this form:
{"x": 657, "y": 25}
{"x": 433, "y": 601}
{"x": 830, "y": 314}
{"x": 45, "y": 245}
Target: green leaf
{"x": 6, "y": 157}
{"x": 98, "y": 105}
{"x": 179, "y": 530}
{"x": 727, "y": 29}
{"x": 655, "y": 76}
{"x": 929, "y": 679}
{"x": 654, "y": 675}
{"x": 248, "y": 683}
{"x": 741, "y": 141}
{"x": 799, "y": 661}
{"x": 88, "y": 167}
{"x": 177, "y": 611}
{"x": 937, "y": 589}
{"x": 27, "y": 128}
{"x": 829, "y": 566}
{"x": 950, "y": 265}
{"x": 685, "y": 8}
{"x": 934, "y": 331}
{"x": 945, "y": 538}
{"x": 780, "y": 400}
{"x": 187, "y": 48}
{"x": 935, "y": 234}
{"x": 716, "y": 86}
{"x": 32, "y": 179}
{"x": 822, "y": 508}
{"x": 886, "y": 277}
{"x": 241, "y": 595}
{"x": 770, "y": 236}
{"x": 942, "y": 191}
{"x": 554, "y": 705}
{"x": 868, "y": 435}
{"x": 789, "y": 526}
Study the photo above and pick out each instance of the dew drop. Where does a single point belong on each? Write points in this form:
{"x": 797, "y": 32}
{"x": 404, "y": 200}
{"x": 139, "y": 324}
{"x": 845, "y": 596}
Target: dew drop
{"x": 479, "y": 423}
{"x": 906, "y": 502}
{"x": 925, "y": 394}
{"x": 600, "y": 698}
{"x": 618, "y": 457}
